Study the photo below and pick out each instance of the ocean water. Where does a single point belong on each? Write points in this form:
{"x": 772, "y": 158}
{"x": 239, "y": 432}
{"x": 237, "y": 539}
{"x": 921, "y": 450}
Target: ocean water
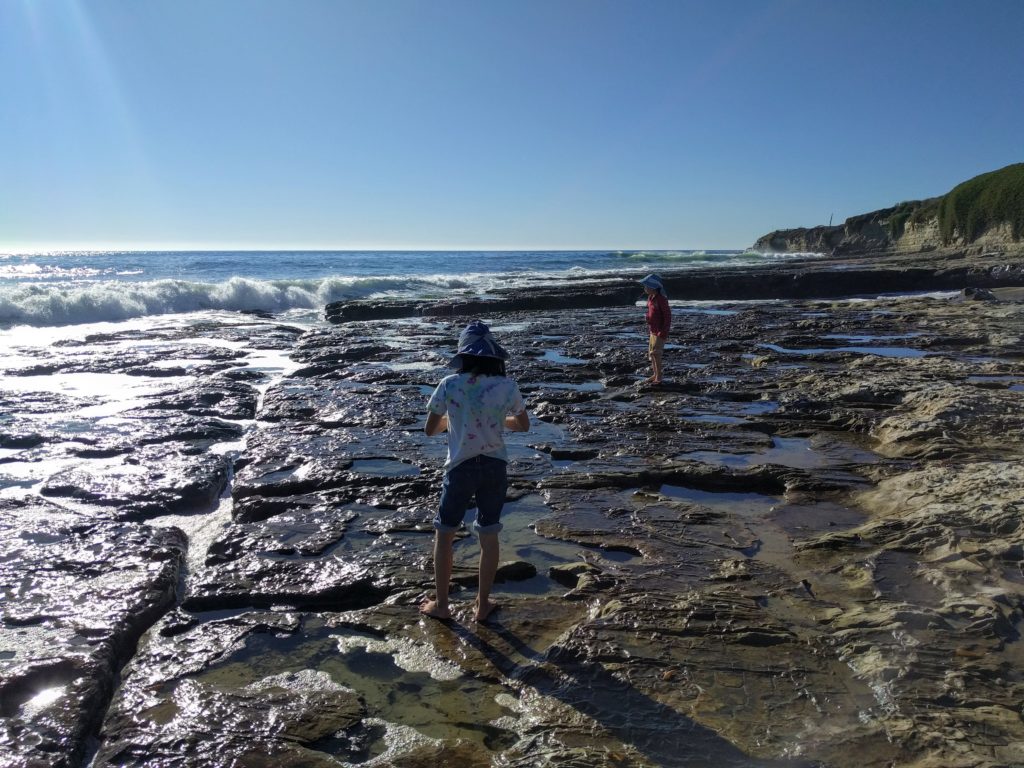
{"x": 64, "y": 288}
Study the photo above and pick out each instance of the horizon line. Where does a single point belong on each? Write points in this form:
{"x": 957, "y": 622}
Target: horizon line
{"x": 184, "y": 248}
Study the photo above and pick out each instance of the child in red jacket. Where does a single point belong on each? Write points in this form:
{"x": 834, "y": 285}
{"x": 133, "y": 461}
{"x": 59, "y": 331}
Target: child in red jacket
{"x": 659, "y": 320}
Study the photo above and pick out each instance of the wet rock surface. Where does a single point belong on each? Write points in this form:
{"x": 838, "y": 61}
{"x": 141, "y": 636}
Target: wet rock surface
{"x": 151, "y": 481}
{"x": 805, "y": 548}
{"x": 77, "y": 593}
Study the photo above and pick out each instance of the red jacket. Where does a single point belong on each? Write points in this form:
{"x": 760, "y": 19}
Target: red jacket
{"x": 659, "y": 316}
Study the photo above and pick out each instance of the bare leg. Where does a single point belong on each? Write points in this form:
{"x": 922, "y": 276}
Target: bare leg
{"x": 656, "y": 364}
{"x": 438, "y": 607}
{"x": 488, "y": 567}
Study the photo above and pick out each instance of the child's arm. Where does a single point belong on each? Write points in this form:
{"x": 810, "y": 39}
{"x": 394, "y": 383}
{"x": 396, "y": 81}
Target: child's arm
{"x": 436, "y": 424}
{"x": 520, "y": 422}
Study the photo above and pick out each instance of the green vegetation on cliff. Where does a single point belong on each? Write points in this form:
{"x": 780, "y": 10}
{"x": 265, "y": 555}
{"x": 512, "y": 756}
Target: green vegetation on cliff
{"x": 983, "y": 202}
{"x": 971, "y": 211}
{"x": 913, "y": 211}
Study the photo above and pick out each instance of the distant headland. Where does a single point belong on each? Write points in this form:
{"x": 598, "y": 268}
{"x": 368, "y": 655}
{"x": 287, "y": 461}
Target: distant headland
{"x": 980, "y": 215}
{"x": 970, "y": 238}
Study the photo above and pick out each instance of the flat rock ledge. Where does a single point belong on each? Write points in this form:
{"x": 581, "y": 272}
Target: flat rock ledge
{"x": 804, "y": 549}
{"x": 795, "y": 279}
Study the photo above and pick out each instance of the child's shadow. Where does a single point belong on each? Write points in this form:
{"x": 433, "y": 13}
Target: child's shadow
{"x": 657, "y": 731}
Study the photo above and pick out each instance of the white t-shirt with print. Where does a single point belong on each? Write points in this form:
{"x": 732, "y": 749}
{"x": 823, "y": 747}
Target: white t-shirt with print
{"x": 476, "y": 407}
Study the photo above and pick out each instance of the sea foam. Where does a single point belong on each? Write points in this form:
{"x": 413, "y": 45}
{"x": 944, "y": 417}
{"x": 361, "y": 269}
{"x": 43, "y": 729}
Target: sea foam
{"x": 42, "y": 304}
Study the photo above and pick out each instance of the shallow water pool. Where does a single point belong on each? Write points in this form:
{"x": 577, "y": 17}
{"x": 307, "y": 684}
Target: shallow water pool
{"x": 901, "y": 352}
{"x": 384, "y": 468}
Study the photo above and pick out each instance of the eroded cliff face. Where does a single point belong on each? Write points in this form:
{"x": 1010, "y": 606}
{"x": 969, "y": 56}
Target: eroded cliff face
{"x": 999, "y": 238}
{"x": 822, "y": 239}
{"x": 871, "y": 234}
{"x": 867, "y": 233}
{"x": 918, "y": 237}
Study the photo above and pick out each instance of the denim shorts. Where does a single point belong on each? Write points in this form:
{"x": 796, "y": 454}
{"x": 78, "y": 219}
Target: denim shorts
{"x": 482, "y": 477}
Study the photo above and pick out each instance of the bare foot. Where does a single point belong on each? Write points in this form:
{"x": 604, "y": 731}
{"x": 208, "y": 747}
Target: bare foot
{"x": 483, "y": 612}
{"x": 432, "y": 609}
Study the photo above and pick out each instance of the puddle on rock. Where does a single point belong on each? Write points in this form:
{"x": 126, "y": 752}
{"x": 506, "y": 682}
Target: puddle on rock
{"x": 702, "y": 311}
{"x": 416, "y": 366}
{"x": 794, "y": 452}
{"x": 758, "y": 407}
{"x": 616, "y": 555}
{"x": 714, "y": 418}
{"x": 384, "y": 468}
{"x": 510, "y": 327}
{"x": 865, "y": 338}
{"x": 540, "y": 432}
{"x": 518, "y": 541}
{"x": 42, "y": 701}
{"x": 901, "y": 352}
{"x": 803, "y": 520}
{"x": 744, "y": 503}
{"x": 750, "y": 508}
{"x": 554, "y": 356}
{"x": 1010, "y": 383}
{"x": 404, "y": 685}
{"x": 586, "y": 386}
{"x": 897, "y": 578}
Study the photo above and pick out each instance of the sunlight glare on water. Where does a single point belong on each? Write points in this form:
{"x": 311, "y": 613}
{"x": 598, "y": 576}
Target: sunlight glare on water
{"x": 42, "y": 700}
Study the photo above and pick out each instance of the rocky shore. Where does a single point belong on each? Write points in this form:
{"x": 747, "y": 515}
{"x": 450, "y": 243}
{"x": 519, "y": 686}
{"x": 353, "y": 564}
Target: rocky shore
{"x": 804, "y": 278}
{"x": 805, "y": 549}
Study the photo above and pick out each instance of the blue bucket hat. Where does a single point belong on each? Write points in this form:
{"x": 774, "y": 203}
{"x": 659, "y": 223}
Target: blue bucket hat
{"x": 476, "y": 339}
{"x": 653, "y": 282}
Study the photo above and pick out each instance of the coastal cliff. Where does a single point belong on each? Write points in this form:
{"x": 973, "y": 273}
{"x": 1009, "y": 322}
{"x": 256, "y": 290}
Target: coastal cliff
{"x": 982, "y": 214}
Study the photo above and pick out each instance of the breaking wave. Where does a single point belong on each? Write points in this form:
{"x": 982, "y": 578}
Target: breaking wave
{"x": 43, "y": 304}
{"x": 92, "y": 288}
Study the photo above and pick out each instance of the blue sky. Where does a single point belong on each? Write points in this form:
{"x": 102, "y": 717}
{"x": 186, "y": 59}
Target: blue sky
{"x": 530, "y": 124}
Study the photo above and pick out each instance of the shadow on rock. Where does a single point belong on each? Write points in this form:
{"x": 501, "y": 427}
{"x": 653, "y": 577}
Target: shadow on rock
{"x": 656, "y": 731}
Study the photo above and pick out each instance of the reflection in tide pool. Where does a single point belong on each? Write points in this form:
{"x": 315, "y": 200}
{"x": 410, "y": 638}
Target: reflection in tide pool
{"x": 795, "y": 452}
{"x": 414, "y": 694}
{"x": 740, "y": 502}
{"x": 519, "y": 541}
